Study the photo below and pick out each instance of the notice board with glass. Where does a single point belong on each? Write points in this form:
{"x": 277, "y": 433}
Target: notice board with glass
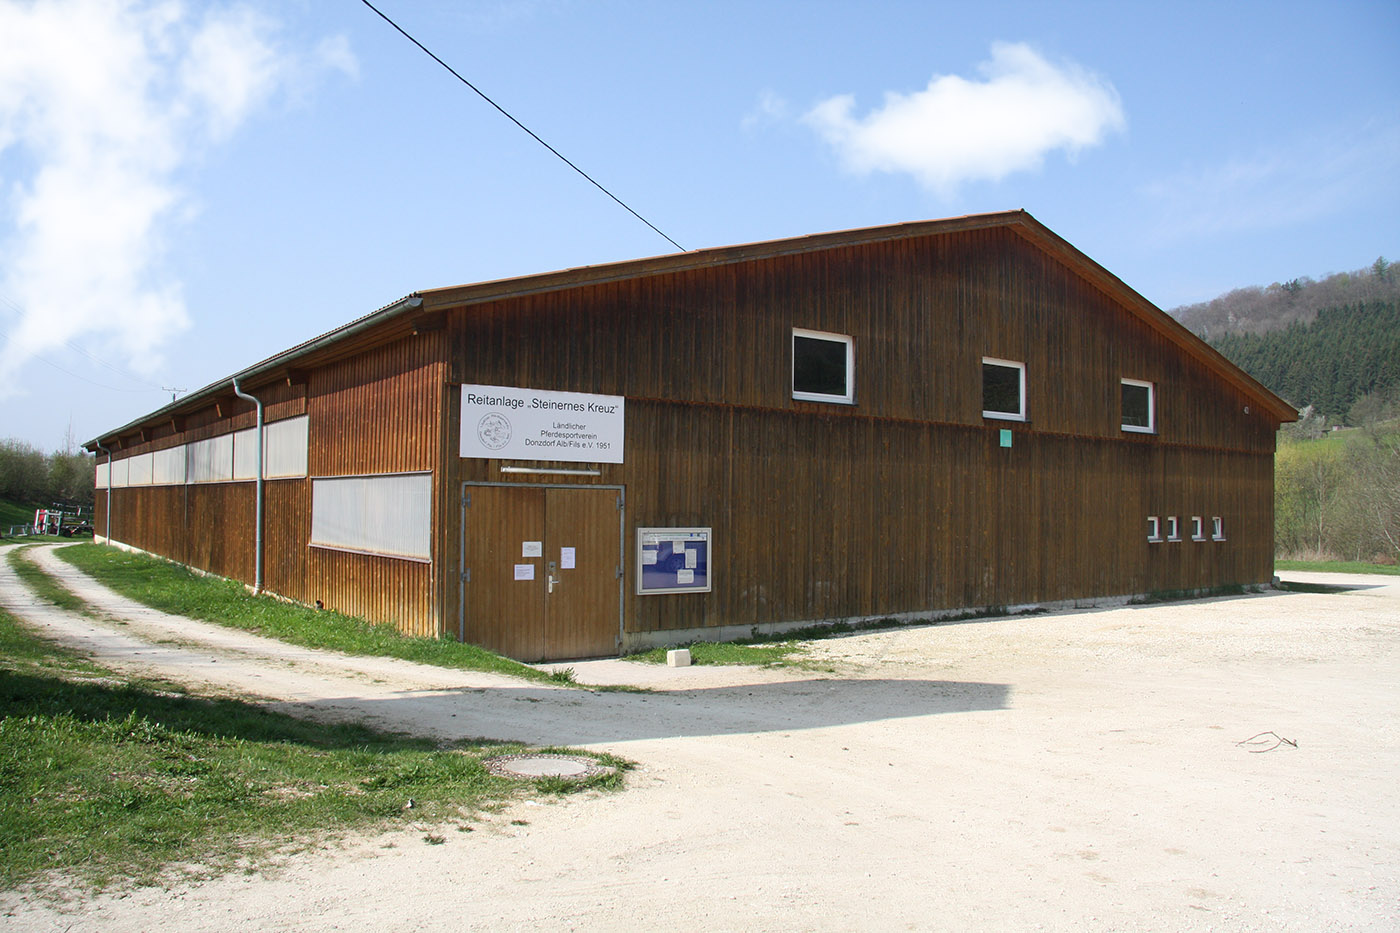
{"x": 673, "y": 560}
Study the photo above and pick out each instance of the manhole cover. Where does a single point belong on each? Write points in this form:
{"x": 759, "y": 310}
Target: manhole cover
{"x": 537, "y": 766}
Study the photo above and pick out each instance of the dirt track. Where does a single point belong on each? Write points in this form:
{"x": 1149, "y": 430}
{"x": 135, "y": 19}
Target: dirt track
{"x": 1070, "y": 771}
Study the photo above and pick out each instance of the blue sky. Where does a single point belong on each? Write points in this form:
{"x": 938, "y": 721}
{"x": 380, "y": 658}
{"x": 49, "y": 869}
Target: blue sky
{"x": 186, "y": 189}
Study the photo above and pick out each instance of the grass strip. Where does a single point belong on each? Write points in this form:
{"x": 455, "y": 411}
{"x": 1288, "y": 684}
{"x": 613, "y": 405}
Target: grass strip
{"x": 12, "y": 513}
{"x": 45, "y": 586}
{"x": 171, "y": 588}
{"x": 1337, "y": 566}
{"x": 766, "y": 654}
{"x": 106, "y": 783}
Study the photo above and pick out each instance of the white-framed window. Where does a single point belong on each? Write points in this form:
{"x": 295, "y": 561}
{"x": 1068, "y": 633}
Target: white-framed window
{"x": 1198, "y": 528}
{"x": 1154, "y": 529}
{"x": 1003, "y": 389}
{"x": 387, "y": 514}
{"x": 103, "y": 471}
{"x": 823, "y": 367}
{"x": 1173, "y": 529}
{"x": 121, "y": 470}
{"x": 1217, "y": 526}
{"x": 1139, "y": 406}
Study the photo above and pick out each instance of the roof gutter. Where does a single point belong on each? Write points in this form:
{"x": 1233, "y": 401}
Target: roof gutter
{"x": 399, "y": 308}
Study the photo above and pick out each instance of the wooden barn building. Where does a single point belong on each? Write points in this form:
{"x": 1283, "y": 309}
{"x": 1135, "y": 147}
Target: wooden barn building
{"x": 901, "y": 421}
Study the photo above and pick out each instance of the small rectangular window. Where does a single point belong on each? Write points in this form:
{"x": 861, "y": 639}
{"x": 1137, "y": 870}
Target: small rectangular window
{"x": 1003, "y": 389}
{"x": 1198, "y": 529}
{"x": 1139, "y": 408}
{"x": 823, "y": 367}
{"x": 1154, "y": 528}
{"x": 1173, "y": 530}
{"x": 1217, "y": 525}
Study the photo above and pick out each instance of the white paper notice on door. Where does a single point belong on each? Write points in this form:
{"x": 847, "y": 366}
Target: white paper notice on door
{"x": 531, "y": 548}
{"x": 524, "y": 571}
{"x": 566, "y": 558}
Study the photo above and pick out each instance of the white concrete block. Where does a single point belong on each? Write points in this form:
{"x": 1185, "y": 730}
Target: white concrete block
{"x": 678, "y": 657}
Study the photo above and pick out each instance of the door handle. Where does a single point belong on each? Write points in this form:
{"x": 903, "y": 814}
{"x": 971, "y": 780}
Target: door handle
{"x": 552, "y": 579}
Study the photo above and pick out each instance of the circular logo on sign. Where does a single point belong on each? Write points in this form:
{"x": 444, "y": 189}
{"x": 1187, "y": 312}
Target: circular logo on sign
{"x": 493, "y": 431}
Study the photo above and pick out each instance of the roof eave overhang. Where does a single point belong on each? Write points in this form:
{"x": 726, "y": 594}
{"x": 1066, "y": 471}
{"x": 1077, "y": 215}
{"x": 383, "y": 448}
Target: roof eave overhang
{"x": 250, "y": 376}
{"x": 1172, "y": 329}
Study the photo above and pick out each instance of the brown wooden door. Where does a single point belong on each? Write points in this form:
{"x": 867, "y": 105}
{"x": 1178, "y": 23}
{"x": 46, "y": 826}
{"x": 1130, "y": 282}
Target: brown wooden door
{"x": 499, "y": 611}
{"x": 540, "y": 566}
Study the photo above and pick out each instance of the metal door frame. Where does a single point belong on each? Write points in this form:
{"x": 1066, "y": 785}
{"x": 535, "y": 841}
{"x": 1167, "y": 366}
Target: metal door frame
{"x": 462, "y": 545}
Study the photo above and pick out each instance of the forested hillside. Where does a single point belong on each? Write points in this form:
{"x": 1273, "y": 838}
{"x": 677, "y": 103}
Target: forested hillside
{"x": 1259, "y": 309}
{"x": 1345, "y": 353}
{"x": 1325, "y": 345}
{"x": 1331, "y": 348}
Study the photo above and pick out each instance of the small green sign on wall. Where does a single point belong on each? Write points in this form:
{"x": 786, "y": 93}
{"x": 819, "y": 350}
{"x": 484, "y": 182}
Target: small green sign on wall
{"x": 1006, "y": 437}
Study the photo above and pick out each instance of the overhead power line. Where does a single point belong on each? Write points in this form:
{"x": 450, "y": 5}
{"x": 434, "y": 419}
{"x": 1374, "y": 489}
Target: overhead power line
{"x": 69, "y": 372}
{"x": 512, "y": 119}
{"x": 120, "y": 371}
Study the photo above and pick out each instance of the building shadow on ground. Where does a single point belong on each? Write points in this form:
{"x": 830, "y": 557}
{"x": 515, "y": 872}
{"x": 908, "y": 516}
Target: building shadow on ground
{"x": 554, "y": 716}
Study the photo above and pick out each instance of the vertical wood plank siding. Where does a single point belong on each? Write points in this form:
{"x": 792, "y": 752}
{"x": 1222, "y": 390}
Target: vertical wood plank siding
{"x": 904, "y": 501}
{"x": 377, "y": 412}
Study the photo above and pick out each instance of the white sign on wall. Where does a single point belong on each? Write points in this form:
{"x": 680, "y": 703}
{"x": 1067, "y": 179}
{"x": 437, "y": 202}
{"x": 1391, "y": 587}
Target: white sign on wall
{"x": 504, "y": 423}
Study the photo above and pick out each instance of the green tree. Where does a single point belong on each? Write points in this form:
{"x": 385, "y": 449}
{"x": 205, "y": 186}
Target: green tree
{"x": 32, "y": 479}
{"x": 70, "y": 478}
{"x": 23, "y": 472}
{"x": 1376, "y": 466}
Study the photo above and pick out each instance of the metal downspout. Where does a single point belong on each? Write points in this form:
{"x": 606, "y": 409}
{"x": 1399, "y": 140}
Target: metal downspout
{"x": 258, "y": 529}
{"x": 108, "y": 515}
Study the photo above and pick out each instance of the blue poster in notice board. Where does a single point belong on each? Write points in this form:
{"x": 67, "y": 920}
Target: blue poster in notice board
{"x": 673, "y": 560}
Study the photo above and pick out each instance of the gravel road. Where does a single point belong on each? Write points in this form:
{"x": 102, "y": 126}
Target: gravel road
{"x": 1071, "y": 771}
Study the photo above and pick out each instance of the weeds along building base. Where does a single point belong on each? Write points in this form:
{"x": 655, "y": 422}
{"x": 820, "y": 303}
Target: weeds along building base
{"x": 917, "y": 418}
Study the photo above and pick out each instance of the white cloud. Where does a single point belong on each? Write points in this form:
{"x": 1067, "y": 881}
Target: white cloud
{"x": 229, "y": 69}
{"x": 334, "y": 53}
{"x": 770, "y": 108}
{"x": 102, "y": 102}
{"x": 956, "y": 130}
